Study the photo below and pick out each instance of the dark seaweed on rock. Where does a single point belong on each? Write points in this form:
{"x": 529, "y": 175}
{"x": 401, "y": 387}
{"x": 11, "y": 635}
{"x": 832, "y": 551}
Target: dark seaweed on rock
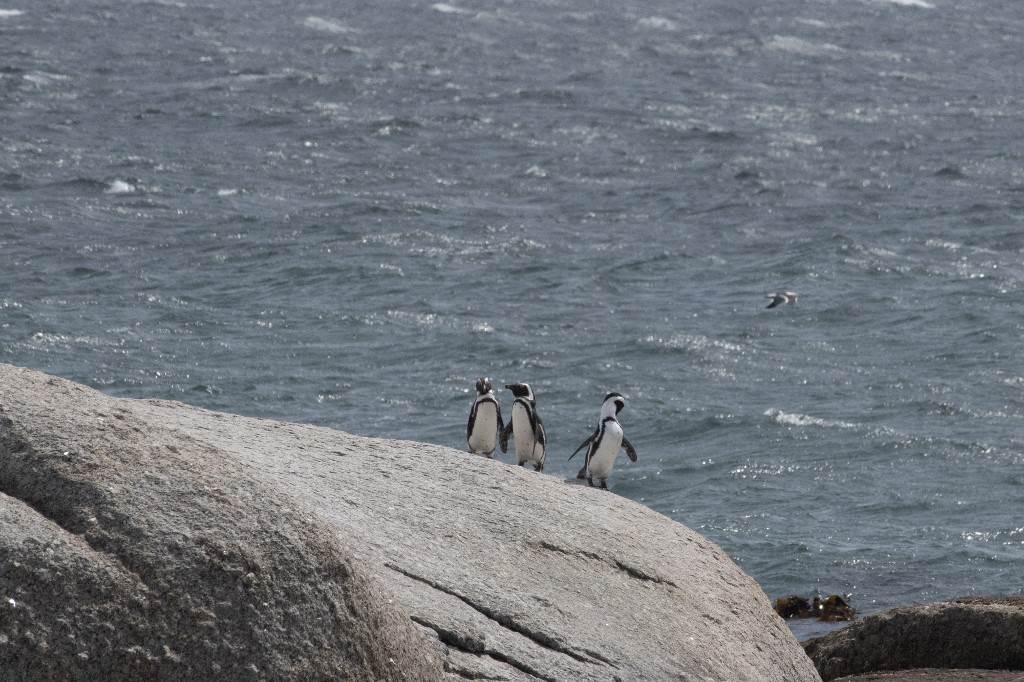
{"x": 830, "y": 609}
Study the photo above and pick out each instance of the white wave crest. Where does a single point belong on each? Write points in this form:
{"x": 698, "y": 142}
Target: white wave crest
{"x": 326, "y": 25}
{"x": 694, "y": 342}
{"x": 6, "y": 13}
{"x": 120, "y": 187}
{"x": 796, "y": 419}
{"x": 660, "y": 23}
{"x": 43, "y": 79}
{"x": 806, "y": 48}
{"x": 909, "y": 3}
{"x": 445, "y": 8}
{"x": 943, "y": 244}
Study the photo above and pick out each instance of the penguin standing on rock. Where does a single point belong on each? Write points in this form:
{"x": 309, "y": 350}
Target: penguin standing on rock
{"x": 485, "y": 421}
{"x": 531, "y": 441}
{"x": 605, "y": 443}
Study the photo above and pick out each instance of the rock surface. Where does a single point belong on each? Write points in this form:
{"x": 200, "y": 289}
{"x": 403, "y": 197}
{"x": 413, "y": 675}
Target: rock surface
{"x": 129, "y": 552}
{"x": 976, "y": 632}
{"x": 938, "y": 675}
{"x": 509, "y": 574}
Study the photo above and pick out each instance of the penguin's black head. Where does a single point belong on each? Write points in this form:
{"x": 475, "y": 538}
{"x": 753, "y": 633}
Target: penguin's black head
{"x": 521, "y": 390}
{"x": 620, "y": 401}
{"x": 483, "y": 386}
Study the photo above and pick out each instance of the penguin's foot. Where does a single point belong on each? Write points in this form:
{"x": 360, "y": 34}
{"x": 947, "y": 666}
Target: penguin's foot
{"x": 539, "y": 467}
{"x": 522, "y": 464}
{"x": 604, "y": 484}
{"x": 590, "y": 481}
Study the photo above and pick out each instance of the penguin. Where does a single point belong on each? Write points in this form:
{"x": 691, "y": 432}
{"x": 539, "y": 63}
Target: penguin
{"x": 531, "y": 440}
{"x": 605, "y": 443}
{"x": 485, "y": 422}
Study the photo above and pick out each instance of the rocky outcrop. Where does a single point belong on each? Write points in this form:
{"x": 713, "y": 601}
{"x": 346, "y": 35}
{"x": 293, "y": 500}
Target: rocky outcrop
{"x": 976, "y": 632}
{"x": 180, "y": 539}
{"x": 129, "y": 551}
{"x": 938, "y": 675}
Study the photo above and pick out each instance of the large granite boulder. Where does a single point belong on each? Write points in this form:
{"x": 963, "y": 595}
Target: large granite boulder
{"x": 129, "y": 551}
{"x": 975, "y": 632}
{"x": 197, "y": 538}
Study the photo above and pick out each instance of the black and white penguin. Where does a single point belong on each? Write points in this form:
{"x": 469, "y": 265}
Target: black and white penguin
{"x": 531, "y": 441}
{"x": 605, "y": 443}
{"x": 485, "y": 421}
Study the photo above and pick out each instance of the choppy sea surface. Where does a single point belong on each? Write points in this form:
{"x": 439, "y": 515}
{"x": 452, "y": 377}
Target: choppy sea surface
{"x": 343, "y": 213}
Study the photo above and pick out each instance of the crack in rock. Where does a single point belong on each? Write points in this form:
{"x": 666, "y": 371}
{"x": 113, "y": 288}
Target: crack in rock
{"x": 540, "y": 638}
{"x": 476, "y": 647}
{"x": 632, "y": 571}
{"x": 459, "y": 640}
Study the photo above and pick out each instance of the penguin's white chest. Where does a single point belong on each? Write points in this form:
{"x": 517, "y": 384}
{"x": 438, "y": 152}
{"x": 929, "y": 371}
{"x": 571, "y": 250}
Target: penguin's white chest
{"x": 484, "y": 437}
{"x": 527, "y": 449}
{"x": 602, "y": 461}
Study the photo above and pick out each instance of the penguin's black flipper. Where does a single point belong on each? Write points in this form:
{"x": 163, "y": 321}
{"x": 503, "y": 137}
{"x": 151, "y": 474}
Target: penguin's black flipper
{"x": 501, "y": 424}
{"x": 588, "y": 441}
{"x": 472, "y": 420}
{"x": 630, "y": 450}
{"x": 541, "y": 439}
{"x": 505, "y": 433}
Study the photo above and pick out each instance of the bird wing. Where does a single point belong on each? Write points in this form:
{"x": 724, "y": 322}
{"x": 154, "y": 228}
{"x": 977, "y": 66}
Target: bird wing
{"x": 588, "y": 441}
{"x": 505, "y": 433}
{"x": 472, "y": 420}
{"x": 776, "y": 300}
{"x": 539, "y": 436}
{"x": 501, "y": 424}
{"x": 630, "y": 450}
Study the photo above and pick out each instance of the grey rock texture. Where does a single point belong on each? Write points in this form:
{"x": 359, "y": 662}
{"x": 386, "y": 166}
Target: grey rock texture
{"x": 938, "y": 675}
{"x": 509, "y": 575}
{"x": 130, "y": 552}
{"x": 975, "y": 632}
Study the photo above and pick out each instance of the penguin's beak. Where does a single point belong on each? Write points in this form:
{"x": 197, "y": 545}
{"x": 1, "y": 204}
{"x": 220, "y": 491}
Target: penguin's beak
{"x": 509, "y": 386}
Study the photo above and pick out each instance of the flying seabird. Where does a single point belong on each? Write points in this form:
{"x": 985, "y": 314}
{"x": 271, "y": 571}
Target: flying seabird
{"x": 780, "y": 297}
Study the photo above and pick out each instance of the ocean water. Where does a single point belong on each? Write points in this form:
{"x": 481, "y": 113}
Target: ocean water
{"x": 344, "y": 213}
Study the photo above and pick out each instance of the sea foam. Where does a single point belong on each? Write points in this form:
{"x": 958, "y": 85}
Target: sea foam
{"x": 445, "y": 8}
{"x": 326, "y": 25}
{"x": 909, "y": 3}
{"x": 120, "y": 187}
{"x": 660, "y": 23}
{"x": 796, "y": 419}
{"x": 803, "y": 47}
